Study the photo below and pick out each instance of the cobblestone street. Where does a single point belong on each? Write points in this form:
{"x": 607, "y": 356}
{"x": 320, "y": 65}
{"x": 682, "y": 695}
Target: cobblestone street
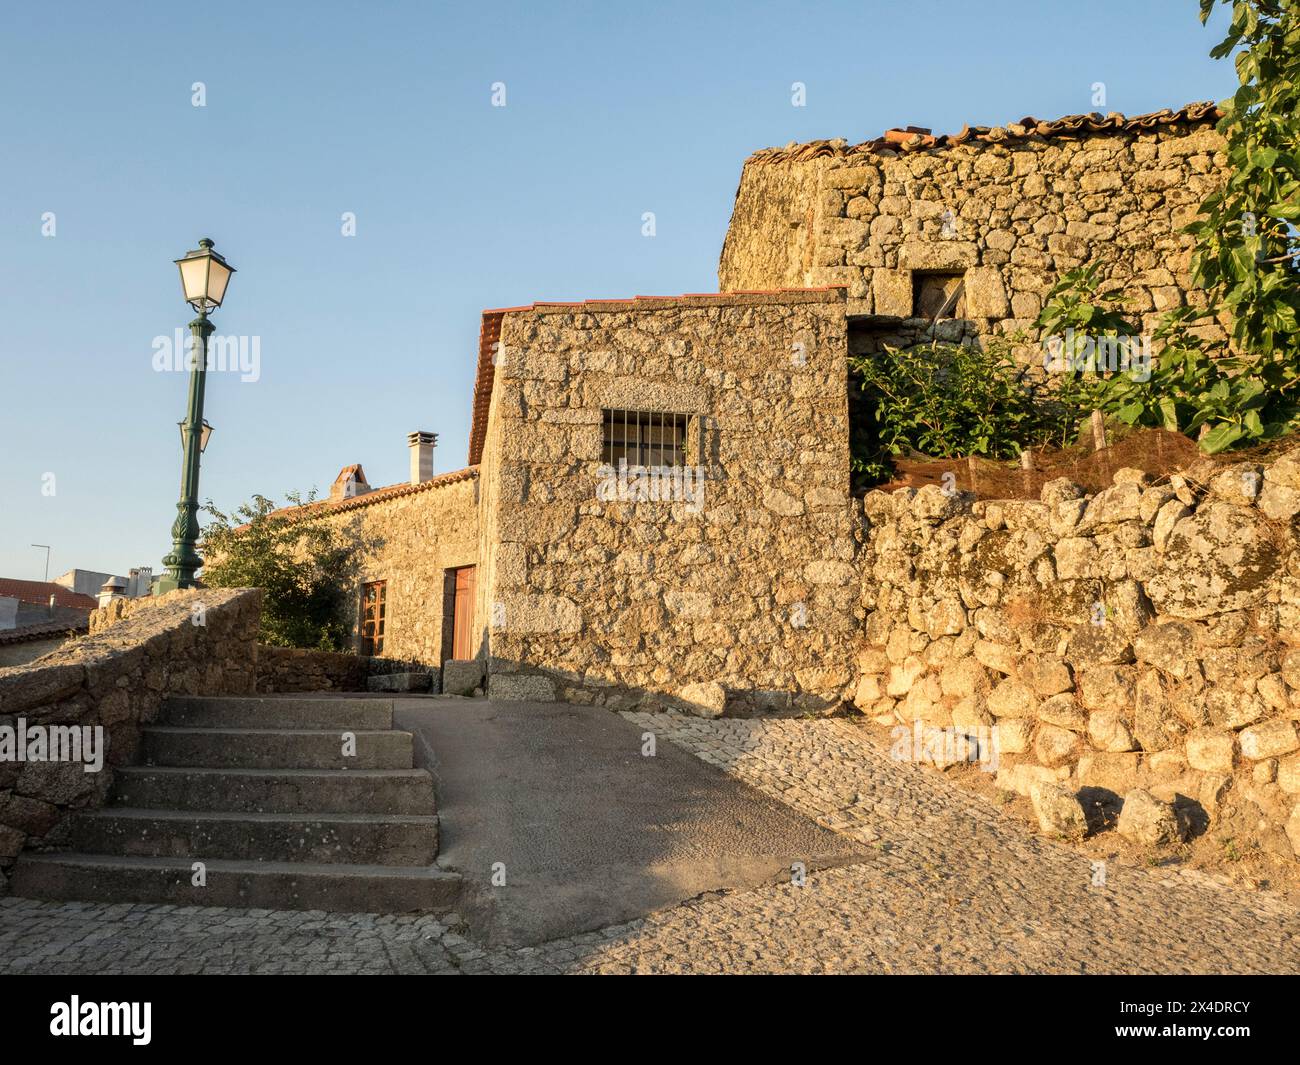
{"x": 953, "y": 886}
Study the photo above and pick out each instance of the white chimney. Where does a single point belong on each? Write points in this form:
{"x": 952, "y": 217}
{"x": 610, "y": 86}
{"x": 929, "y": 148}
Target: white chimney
{"x": 421, "y": 445}
{"x": 114, "y": 588}
{"x": 138, "y": 581}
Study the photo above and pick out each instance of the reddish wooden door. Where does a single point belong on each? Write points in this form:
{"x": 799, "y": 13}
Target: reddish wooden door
{"x": 462, "y": 631}
{"x": 373, "y": 596}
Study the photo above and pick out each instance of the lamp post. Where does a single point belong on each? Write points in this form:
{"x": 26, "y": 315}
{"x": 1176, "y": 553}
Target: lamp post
{"x": 204, "y": 277}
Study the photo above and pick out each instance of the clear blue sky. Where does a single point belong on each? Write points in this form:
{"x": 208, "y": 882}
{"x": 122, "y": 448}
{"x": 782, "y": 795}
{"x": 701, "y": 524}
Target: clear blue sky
{"x": 384, "y": 109}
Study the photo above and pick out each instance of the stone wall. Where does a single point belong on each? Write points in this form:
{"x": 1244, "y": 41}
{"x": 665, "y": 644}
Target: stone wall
{"x": 294, "y": 669}
{"x": 746, "y": 597}
{"x": 185, "y": 643}
{"x": 1010, "y": 210}
{"x": 418, "y": 533}
{"x": 1138, "y": 644}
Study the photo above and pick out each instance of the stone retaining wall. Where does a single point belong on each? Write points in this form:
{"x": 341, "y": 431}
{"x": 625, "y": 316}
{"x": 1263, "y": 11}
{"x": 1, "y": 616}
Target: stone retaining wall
{"x": 185, "y": 643}
{"x": 1137, "y": 643}
{"x": 294, "y": 669}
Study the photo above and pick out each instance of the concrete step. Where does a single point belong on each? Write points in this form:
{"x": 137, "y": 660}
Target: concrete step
{"x": 269, "y": 885}
{"x": 368, "y": 839}
{"x": 249, "y": 748}
{"x": 279, "y": 711}
{"x": 397, "y": 791}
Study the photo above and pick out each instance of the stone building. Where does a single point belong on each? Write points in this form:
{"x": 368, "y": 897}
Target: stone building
{"x": 903, "y": 220}
{"x": 657, "y": 503}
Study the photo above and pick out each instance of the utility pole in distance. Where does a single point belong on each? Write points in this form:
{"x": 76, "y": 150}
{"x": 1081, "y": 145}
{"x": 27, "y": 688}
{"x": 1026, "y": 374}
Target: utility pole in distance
{"x": 47, "y": 560}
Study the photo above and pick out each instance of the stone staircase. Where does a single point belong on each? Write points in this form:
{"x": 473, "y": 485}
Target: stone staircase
{"x": 260, "y": 792}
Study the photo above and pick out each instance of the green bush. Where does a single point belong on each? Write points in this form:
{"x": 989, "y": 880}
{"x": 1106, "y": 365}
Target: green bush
{"x": 307, "y": 569}
{"x": 942, "y": 400}
{"x": 1224, "y": 400}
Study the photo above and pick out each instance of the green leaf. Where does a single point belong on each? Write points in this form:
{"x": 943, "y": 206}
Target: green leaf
{"x": 1220, "y": 438}
{"x": 1168, "y": 414}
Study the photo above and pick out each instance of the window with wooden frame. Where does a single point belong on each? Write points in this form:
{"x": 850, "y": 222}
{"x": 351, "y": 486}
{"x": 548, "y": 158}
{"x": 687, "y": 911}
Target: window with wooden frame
{"x": 644, "y": 437}
{"x": 938, "y": 294}
{"x": 373, "y": 595}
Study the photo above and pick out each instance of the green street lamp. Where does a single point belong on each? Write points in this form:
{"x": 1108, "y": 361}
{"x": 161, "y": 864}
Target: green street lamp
{"x": 204, "y": 277}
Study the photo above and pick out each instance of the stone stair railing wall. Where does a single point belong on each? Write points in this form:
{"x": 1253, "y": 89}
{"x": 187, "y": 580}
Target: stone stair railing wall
{"x": 114, "y": 681}
{"x": 1137, "y": 643}
{"x": 295, "y": 669}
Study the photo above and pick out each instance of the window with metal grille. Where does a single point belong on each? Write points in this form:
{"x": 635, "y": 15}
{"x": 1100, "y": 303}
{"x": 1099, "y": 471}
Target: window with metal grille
{"x": 644, "y": 438}
{"x": 372, "y": 617}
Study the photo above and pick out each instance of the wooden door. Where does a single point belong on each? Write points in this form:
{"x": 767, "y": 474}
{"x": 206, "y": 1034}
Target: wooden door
{"x": 462, "y": 626}
{"x": 373, "y": 596}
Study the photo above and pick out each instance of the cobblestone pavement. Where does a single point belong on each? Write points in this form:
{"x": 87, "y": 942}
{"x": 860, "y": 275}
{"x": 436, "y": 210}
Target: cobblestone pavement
{"x": 952, "y": 886}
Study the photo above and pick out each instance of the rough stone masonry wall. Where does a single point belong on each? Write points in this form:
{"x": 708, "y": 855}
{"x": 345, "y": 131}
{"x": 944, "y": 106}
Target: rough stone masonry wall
{"x": 117, "y": 679}
{"x": 1022, "y": 213}
{"x": 416, "y": 537}
{"x": 1140, "y": 642}
{"x": 295, "y": 669}
{"x": 619, "y": 602}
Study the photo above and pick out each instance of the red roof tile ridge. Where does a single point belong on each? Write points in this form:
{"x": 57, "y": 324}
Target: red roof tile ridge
{"x": 918, "y": 138}
{"x": 43, "y": 630}
{"x": 729, "y": 294}
{"x": 376, "y": 495}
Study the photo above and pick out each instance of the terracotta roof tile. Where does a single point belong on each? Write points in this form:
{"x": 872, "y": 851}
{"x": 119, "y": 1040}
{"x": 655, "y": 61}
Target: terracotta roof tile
{"x": 916, "y": 138}
{"x": 38, "y": 594}
{"x": 377, "y": 495}
{"x": 488, "y": 336}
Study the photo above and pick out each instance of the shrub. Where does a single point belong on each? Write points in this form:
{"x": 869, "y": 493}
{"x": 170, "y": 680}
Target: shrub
{"x": 308, "y": 570}
{"x": 1194, "y": 388}
{"x": 945, "y": 400}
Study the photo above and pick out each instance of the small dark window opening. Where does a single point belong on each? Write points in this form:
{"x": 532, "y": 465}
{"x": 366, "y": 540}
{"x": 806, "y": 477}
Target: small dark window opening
{"x": 644, "y": 438}
{"x": 938, "y": 295}
{"x": 373, "y": 596}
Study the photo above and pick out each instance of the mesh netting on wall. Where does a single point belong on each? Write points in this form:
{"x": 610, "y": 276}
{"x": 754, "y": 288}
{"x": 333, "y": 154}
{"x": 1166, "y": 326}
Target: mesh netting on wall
{"x": 1154, "y": 451}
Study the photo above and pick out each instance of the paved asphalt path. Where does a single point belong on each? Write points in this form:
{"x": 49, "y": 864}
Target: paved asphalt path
{"x": 581, "y": 830}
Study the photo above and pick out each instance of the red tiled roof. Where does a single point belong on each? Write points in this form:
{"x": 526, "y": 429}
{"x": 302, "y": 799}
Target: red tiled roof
{"x": 38, "y": 594}
{"x": 490, "y": 335}
{"x": 917, "y": 138}
{"x": 377, "y": 495}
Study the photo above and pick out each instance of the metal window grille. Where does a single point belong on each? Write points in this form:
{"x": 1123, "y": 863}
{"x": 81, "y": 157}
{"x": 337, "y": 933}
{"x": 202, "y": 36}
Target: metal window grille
{"x": 644, "y": 437}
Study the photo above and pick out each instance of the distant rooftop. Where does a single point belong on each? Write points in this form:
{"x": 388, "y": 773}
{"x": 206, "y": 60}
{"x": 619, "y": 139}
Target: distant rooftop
{"x": 45, "y": 630}
{"x": 38, "y": 593}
